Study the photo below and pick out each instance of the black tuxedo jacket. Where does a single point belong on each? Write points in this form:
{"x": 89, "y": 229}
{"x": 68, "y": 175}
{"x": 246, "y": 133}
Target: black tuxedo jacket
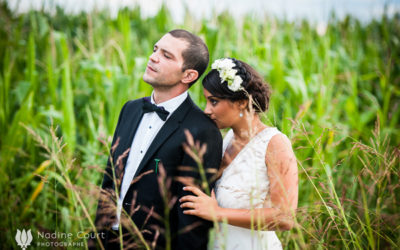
{"x": 146, "y": 199}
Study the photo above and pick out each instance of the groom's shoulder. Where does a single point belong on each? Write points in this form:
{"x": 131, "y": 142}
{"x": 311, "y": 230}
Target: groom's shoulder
{"x": 197, "y": 116}
{"x": 133, "y": 103}
{"x": 202, "y": 127}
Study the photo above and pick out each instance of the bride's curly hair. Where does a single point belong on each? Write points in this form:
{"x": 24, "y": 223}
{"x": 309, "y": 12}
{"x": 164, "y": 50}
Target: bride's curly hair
{"x": 253, "y": 85}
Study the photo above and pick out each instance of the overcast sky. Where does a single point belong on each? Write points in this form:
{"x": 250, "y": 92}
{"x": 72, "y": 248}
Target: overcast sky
{"x": 314, "y": 10}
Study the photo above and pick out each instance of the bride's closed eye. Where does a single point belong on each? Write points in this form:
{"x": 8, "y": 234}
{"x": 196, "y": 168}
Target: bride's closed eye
{"x": 213, "y": 101}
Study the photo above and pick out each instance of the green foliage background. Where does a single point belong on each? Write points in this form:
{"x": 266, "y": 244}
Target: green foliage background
{"x": 64, "y": 79}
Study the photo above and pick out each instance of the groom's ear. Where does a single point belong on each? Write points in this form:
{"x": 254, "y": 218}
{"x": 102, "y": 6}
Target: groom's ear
{"x": 189, "y": 76}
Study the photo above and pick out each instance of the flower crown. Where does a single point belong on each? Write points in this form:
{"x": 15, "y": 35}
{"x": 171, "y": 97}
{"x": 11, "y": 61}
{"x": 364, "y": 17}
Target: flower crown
{"x": 228, "y": 74}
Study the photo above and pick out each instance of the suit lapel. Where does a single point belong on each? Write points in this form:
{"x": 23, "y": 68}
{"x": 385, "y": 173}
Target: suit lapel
{"x": 133, "y": 123}
{"x": 166, "y": 130}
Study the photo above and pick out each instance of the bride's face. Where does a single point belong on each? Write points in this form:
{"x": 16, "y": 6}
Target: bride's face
{"x": 222, "y": 111}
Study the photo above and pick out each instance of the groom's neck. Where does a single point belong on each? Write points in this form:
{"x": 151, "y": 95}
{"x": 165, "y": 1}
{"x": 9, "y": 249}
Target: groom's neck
{"x": 163, "y": 95}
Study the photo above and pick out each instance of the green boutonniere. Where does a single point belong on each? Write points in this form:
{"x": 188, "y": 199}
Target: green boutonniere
{"x": 157, "y": 161}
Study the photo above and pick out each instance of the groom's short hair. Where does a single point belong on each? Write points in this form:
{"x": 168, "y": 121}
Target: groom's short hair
{"x": 196, "y": 55}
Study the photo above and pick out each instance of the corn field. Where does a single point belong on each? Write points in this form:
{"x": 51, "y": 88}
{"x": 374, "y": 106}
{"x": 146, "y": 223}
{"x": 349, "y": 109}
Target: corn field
{"x": 336, "y": 94}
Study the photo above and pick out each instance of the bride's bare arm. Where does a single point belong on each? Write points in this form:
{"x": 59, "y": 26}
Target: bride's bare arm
{"x": 278, "y": 215}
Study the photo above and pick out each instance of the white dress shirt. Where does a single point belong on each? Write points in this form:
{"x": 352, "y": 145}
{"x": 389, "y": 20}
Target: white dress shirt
{"x": 148, "y": 128}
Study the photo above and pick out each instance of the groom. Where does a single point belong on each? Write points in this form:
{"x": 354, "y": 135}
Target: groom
{"x": 147, "y": 140}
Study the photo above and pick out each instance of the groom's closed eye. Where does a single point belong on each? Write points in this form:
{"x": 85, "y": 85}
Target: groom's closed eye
{"x": 165, "y": 53}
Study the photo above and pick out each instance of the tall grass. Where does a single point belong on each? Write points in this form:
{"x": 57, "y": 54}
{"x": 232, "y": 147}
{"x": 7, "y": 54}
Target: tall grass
{"x": 336, "y": 95}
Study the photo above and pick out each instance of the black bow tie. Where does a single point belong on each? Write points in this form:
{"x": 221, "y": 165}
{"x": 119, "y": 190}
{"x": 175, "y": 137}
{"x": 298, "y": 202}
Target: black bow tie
{"x": 150, "y": 107}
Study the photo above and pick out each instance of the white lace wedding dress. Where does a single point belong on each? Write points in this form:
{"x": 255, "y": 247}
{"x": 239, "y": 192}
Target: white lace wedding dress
{"x": 244, "y": 184}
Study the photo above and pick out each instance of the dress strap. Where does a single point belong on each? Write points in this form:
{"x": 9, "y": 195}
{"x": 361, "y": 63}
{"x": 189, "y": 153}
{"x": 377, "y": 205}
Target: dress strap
{"x": 269, "y": 133}
{"x": 227, "y": 139}
{"x": 264, "y": 137}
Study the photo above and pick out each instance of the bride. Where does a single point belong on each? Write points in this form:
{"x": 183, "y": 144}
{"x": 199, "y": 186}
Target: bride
{"x": 257, "y": 187}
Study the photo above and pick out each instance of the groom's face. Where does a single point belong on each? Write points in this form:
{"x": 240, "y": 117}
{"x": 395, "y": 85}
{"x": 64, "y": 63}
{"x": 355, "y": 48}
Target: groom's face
{"x": 164, "y": 68}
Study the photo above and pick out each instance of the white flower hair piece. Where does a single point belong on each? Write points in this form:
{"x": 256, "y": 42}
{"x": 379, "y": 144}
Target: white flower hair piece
{"x": 228, "y": 74}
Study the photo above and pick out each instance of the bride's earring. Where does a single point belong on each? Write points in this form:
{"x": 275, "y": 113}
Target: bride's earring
{"x": 241, "y": 114}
